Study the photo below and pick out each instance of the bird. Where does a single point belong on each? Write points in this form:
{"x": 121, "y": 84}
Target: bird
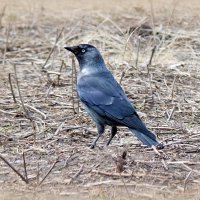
{"x": 104, "y": 99}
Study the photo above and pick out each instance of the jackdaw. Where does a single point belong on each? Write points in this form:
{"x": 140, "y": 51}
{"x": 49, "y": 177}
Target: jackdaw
{"x": 104, "y": 99}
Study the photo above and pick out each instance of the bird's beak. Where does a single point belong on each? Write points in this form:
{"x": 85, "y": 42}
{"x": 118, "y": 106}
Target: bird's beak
{"x": 73, "y": 49}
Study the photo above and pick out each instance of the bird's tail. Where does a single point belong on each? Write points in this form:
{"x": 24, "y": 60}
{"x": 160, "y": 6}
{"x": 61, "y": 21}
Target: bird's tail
{"x": 147, "y": 138}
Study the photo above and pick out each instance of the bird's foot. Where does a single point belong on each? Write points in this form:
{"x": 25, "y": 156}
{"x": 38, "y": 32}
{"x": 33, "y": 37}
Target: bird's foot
{"x": 96, "y": 147}
{"x": 160, "y": 146}
{"x": 107, "y": 144}
{"x": 92, "y": 146}
{"x": 160, "y": 153}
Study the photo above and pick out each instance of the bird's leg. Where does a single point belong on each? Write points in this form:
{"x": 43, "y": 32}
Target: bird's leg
{"x": 100, "y": 129}
{"x": 113, "y": 133}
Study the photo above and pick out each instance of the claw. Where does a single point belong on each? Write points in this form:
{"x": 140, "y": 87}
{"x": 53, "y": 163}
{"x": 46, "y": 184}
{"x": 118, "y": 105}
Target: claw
{"x": 92, "y": 146}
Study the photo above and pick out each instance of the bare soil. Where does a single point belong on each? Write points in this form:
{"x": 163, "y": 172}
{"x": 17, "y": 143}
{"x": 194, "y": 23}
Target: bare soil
{"x": 45, "y": 133}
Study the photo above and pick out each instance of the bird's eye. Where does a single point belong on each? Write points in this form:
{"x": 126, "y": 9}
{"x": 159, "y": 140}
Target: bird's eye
{"x": 83, "y": 50}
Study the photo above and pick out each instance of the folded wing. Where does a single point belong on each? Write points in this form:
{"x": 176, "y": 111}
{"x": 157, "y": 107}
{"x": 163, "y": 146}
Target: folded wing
{"x": 106, "y": 97}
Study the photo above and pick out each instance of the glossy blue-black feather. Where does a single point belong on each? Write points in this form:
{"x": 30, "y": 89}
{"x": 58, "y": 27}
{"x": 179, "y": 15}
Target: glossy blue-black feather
{"x": 103, "y": 97}
{"x": 102, "y": 94}
{"x": 106, "y": 94}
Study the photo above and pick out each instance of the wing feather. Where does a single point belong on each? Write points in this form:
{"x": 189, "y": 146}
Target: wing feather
{"x": 105, "y": 93}
{"x": 105, "y": 96}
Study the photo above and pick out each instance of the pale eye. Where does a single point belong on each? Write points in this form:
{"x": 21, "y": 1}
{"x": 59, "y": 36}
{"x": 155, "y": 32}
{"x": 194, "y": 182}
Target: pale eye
{"x": 83, "y": 50}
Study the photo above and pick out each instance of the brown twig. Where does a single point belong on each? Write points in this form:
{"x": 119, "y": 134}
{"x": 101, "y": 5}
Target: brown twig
{"x": 62, "y": 64}
{"x": 25, "y": 170}
{"x": 122, "y": 76}
{"x": 182, "y": 141}
{"x": 76, "y": 175}
{"x": 20, "y": 96}
{"x": 73, "y": 128}
{"x": 152, "y": 19}
{"x": 171, "y": 113}
{"x": 14, "y": 169}
{"x": 148, "y": 70}
{"x": 59, "y": 127}
{"x": 53, "y": 165}
{"x": 112, "y": 174}
{"x": 52, "y": 72}
{"x": 190, "y": 169}
{"x": 48, "y": 91}
{"x": 53, "y": 48}
{"x": 11, "y": 87}
{"x": 78, "y": 106}
{"x": 126, "y": 68}
{"x": 6, "y": 45}
{"x": 172, "y": 13}
{"x": 130, "y": 35}
{"x": 38, "y": 173}
{"x": 186, "y": 180}
{"x": 2, "y": 14}
{"x": 73, "y": 71}
{"x": 161, "y": 156}
{"x": 122, "y": 179}
{"x": 8, "y": 113}
{"x": 138, "y": 51}
{"x": 36, "y": 110}
{"x": 164, "y": 164}
{"x": 69, "y": 159}
{"x": 152, "y": 54}
{"x": 173, "y": 86}
{"x": 27, "y": 115}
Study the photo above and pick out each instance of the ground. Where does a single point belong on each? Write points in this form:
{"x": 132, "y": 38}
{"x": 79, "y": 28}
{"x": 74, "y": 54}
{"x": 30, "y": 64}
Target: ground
{"x": 45, "y": 133}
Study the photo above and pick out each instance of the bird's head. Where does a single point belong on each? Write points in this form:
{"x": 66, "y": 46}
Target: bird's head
{"x": 87, "y": 55}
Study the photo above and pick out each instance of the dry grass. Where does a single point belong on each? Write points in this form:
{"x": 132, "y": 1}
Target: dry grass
{"x": 47, "y": 125}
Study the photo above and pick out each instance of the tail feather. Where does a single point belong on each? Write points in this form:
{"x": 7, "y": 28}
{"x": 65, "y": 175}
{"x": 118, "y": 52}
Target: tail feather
{"x": 147, "y": 138}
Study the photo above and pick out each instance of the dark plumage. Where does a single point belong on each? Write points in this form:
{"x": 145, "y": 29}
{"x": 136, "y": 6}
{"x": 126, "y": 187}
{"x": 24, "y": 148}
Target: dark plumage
{"x": 104, "y": 99}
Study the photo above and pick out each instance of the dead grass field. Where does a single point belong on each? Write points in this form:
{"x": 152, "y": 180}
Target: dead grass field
{"x": 49, "y": 127}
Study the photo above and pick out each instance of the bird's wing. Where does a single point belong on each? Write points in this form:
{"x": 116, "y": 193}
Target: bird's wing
{"x": 106, "y": 97}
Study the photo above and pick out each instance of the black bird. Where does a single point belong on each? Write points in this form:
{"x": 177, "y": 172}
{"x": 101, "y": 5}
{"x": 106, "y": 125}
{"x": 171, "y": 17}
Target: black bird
{"x": 104, "y": 99}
